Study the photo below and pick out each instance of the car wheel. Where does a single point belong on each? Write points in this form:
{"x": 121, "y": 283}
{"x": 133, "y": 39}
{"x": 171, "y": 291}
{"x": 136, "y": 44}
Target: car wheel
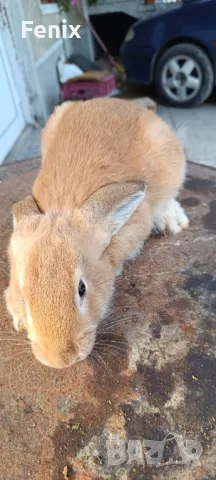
{"x": 184, "y": 76}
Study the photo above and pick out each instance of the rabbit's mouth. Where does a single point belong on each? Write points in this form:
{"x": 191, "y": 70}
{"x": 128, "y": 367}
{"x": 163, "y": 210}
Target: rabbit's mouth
{"x": 48, "y": 359}
{"x": 61, "y": 360}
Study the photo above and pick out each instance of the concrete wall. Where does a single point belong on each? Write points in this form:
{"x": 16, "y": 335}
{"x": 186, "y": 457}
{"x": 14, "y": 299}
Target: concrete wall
{"x": 45, "y": 51}
{"x": 135, "y": 8}
{"x": 32, "y": 11}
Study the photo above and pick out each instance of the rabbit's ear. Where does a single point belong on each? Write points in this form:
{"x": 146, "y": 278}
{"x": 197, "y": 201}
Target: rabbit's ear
{"x": 113, "y": 205}
{"x": 24, "y": 208}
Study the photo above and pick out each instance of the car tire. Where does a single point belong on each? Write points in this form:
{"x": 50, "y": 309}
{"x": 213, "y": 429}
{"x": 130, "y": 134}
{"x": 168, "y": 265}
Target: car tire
{"x": 184, "y": 76}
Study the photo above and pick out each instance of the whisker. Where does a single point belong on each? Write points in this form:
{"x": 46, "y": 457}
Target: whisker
{"x": 114, "y": 355}
{"x": 111, "y": 332}
{"x": 32, "y": 363}
{"x": 119, "y": 309}
{"x": 6, "y": 316}
{"x": 104, "y": 364}
{"x": 92, "y": 360}
{"x": 100, "y": 339}
{"x": 16, "y": 349}
{"x": 116, "y": 321}
{"x": 13, "y": 356}
{"x": 112, "y": 326}
{"x": 19, "y": 352}
{"x": 22, "y": 364}
{"x": 157, "y": 274}
{"x": 13, "y": 340}
{"x": 94, "y": 355}
{"x": 13, "y": 332}
{"x": 128, "y": 314}
{"x": 95, "y": 359}
{"x": 123, "y": 320}
{"x": 5, "y": 272}
{"x": 104, "y": 344}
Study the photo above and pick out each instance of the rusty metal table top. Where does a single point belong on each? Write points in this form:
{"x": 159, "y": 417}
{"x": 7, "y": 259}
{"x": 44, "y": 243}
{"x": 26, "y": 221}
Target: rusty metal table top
{"x": 158, "y": 374}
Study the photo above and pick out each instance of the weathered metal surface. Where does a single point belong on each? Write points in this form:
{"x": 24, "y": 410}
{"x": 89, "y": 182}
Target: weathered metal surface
{"x": 161, "y": 379}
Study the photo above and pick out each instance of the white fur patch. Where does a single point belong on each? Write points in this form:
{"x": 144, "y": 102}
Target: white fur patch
{"x": 21, "y": 282}
{"x": 135, "y": 253}
{"x": 171, "y": 216}
{"x": 81, "y": 304}
{"x": 29, "y": 317}
{"x": 16, "y": 323}
{"x": 14, "y": 223}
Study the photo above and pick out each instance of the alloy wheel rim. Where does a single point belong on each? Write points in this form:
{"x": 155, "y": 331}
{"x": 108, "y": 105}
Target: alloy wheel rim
{"x": 181, "y": 78}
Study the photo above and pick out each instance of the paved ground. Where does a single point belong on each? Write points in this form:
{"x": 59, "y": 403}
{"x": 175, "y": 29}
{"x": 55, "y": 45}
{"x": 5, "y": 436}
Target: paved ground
{"x": 196, "y": 126}
{"x": 73, "y": 424}
{"x": 27, "y": 146}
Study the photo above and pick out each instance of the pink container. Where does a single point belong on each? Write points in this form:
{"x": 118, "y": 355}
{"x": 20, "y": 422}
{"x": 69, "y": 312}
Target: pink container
{"x": 88, "y": 89}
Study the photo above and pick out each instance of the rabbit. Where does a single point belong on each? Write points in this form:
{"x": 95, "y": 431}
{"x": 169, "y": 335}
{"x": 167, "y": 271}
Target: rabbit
{"x": 110, "y": 174}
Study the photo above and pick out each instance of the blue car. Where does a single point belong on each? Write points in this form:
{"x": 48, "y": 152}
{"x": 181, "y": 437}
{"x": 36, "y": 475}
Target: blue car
{"x": 176, "y": 51}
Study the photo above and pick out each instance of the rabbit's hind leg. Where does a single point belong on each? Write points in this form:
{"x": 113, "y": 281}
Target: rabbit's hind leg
{"x": 170, "y": 216}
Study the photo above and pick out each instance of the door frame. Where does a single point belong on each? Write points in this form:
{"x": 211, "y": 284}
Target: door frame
{"x": 21, "y": 61}
{"x": 17, "y": 123}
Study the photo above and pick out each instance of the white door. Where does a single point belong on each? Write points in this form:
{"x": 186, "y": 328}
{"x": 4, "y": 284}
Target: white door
{"x": 11, "y": 117}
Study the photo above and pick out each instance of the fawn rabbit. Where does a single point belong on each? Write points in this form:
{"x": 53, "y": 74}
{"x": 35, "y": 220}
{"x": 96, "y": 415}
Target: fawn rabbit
{"x": 110, "y": 174}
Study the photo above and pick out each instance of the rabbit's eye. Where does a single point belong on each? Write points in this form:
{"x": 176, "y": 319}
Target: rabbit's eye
{"x": 82, "y": 289}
